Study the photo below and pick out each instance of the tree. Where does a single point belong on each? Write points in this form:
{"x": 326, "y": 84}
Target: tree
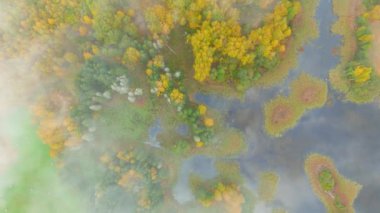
{"x": 159, "y": 19}
{"x": 95, "y": 76}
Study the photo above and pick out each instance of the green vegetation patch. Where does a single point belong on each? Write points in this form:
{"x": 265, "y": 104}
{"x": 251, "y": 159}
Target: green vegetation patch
{"x": 336, "y": 192}
{"x": 355, "y": 76}
{"x": 126, "y": 122}
{"x": 326, "y": 180}
{"x": 370, "y": 3}
{"x": 96, "y": 76}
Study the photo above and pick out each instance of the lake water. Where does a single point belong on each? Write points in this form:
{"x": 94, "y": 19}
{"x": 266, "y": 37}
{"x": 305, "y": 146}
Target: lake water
{"x": 348, "y": 133}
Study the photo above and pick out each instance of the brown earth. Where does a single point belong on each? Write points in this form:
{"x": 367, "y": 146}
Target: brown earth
{"x": 282, "y": 114}
{"x": 308, "y": 95}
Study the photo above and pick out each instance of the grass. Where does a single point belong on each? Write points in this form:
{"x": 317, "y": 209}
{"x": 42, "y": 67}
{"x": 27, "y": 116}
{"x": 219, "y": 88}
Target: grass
{"x": 283, "y": 113}
{"x": 181, "y": 58}
{"x": 126, "y": 122}
{"x": 345, "y": 190}
{"x": 308, "y": 91}
{"x": 343, "y": 26}
{"x": 225, "y": 142}
{"x": 229, "y": 171}
{"x": 253, "y": 13}
{"x": 280, "y": 115}
{"x": 346, "y": 26}
{"x": 268, "y": 183}
{"x": 374, "y": 51}
{"x": 305, "y": 29}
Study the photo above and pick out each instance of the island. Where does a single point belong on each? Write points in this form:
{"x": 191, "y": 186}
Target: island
{"x": 283, "y": 113}
{"x": 336, "y": 192}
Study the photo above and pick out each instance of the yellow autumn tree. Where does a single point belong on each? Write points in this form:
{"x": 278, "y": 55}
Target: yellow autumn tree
{"x": 159, "y": 19}
{"x": 47, "y": 16}
{"x": 361, "y": 74}
{"x": 131, "y": 56}
{"x": 374, "y": 14}
{"x": 55, "y": 130}
{"x": 226, "y": 39}
{"x": 217, "y": 37}
{"x": 276, "y": 29}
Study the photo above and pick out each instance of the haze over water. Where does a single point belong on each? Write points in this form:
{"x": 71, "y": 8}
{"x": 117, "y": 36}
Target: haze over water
{"x": 346, "y": 132}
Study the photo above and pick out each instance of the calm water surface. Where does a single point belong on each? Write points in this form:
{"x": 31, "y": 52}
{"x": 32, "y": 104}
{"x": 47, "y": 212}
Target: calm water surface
{"x": 346, "y": 132}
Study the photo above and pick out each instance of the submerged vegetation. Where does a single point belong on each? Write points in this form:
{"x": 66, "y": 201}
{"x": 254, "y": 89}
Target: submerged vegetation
{"x": 336, "y": 192}
{"x": 268, "y": 182}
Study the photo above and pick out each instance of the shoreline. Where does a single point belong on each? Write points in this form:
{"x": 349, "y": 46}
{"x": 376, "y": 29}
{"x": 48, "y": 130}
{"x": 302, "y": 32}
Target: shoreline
{"x": 345, "y": 190}
{"x": 347, "y": 11}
